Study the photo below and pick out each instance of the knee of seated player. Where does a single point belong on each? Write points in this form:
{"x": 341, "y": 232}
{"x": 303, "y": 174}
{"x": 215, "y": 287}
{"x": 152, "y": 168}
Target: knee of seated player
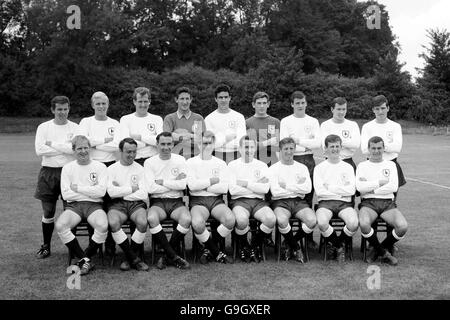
{"x": 198, "y": 223}
{"x": 100, "y": 222}
{"x": 269, "y": 219}
{"x": 114, "y": 222}
{"x": 185, "y": 219}
{"x": 229, "y": 220}
{"x": 152, "y": 218}
{"x": 364, "y": 222}
{"x": 141, "y": 222}
{"x": 241, "y": 221}
{"x": 352, "y": 223}
{"x": 323, "y": 220}
{"x": 401, "y": 228}
{"x": 63, "y": 222}
{"x": 310, "y": 220}
{"x": 282, "y": 221}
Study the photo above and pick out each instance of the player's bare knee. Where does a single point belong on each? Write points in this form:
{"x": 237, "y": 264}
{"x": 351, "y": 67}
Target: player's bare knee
{"x": 401, "y": 228}
{"x": 185, "y": 220}
{"x": 141, "y": 223}
{"x": 152, "y": 219}
{"x": 198, "y": 223}
{"x": 282, "y": 221}
{"x": 352, "y": 224}
{"x": 114, "y": 223}
{"x": 241, "y": 222}
{"x": 229, "y": 221}
{"x": 270, "y": 220}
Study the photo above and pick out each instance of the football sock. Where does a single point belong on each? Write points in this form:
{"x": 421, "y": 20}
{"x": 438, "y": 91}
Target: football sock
{"x": 47, "y": 229}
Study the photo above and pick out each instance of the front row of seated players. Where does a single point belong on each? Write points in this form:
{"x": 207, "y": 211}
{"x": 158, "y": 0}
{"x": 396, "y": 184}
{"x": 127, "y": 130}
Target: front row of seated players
{"x": 165, "y": 176}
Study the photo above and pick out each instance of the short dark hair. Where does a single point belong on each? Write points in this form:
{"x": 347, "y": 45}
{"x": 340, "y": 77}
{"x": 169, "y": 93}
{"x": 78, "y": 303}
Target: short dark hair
{"x": 163, "y": 134}
{"x": 285, "y": 141}
{"x": 297, "y": 95}
{"x": 375, "y": 139}
{"x": 209, "y": 134}
{"x": 142, "y": 91}
{"x": 379, "y": 100}
{"x": 126, "y": 140}
{"x": 222, "y": 88}
{"x": 180, "y": 90}
{"x": 259, "y": 95}
{"x": 331, "y": 139}
{"x": 339, "y": 101}
{"x": 59, "y": 100}
{"x": 245, "y": 138}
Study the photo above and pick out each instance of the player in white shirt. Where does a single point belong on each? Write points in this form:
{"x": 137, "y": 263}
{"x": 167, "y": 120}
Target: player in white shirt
{"x": 227, "y": 125}
{"x": 100, "y": 129}
{"x": 165, "y": 181}
{"x": 334, "y": 182}
{"x": 141, "y": 126}
{"x": 390, "y": 131}
{"x": 83, "y": 185}
{"x": 249, "y": 184}
{"x": 377, "y": 181}
{"x": 290, "y": 181}
{"x": 346, "y": 129}
{"x": 126, "y": 188}
{"x": 208, "y": 179}
{"x": 53, "y": 144}
{"x": 305, "y": 130}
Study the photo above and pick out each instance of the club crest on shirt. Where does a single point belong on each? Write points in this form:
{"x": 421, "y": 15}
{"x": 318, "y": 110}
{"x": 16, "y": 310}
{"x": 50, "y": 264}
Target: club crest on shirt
{"x": 69, "y": 136}
{"x": 175, "y": 172}
{"x": 215, "y": 172}
{"x": 345, "y": 134}
{"x": 151, "y": 127}
{"x": 111, "y": 131}
{"x": 308, "y": 129}
{"x": 344, "y": 178}
{"x": 271, "y": 129}
{"x": 257, "y": 174}
{"x": 232, "y": 124}
{"x": 390, "y": 136}
{"x": 386, "y": 172}
{"x": 298, "y": 178}
{"x": 134, "y": 180}
{"x": 93, "y": 177}
{"x": 195, "y": 126}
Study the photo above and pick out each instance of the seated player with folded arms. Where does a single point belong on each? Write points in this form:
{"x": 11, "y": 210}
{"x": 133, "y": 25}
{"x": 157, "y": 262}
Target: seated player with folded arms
{"x": 377, "y": 181}
{"x": 129, "y": 198}
{"x": 248, "y": 187}
{"x": 334, "y": 182}
{"x": 207, "y": 180}
{"x": 83, "y": 185}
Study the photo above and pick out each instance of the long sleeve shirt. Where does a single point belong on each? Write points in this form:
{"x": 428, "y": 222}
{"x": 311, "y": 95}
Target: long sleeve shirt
{"x": 148, "y": 127}
{"x": 91, "y": 180}
{"x": 60, "y": 152}
{"x": 334, "y": 181}
{"x": 390, "y": 132}
{"x": 167, "y": 170}
{"x": 291, "y": 176}
{"x": 372, "y": 173}
{"x": 348, "y": 131}
{"x": 96, "y": 131}
{"x": 126, "y": 177}
{"x": 199, "y": 173}
{"x": 250, "y": 172}
{"x": 306, "y": 129}
{"x": 223, "y": 124}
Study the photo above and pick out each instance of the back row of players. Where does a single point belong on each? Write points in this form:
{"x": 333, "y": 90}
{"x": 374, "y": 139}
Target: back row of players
{"x": 90, "y": 189}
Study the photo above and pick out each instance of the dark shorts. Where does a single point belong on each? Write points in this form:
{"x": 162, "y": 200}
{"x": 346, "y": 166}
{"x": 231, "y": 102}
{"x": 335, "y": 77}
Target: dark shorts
{"x": 226, "y": 156}
{"x": 401, "y": 176}
{"x": 207, "y": 202}
{"x": 378, "y": 205}
{"x": 335, "y": 206}
{"x": 127, "y": 207}
{"x": 84, "y": 208}
{"x": 48, "y": 187}
{"x": 293, "y": 205}
{"x": 252, "y": 205}
{"x": 167, "y": 204}
{"x": 141, "y": 161}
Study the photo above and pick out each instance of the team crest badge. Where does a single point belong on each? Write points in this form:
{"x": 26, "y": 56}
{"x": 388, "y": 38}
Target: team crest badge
{"x": 386, "y": 172}
{"x": 69, "y": 136}
{"x": 271, "y": 129}
{"x": 134, "y": 179}
{"x": 194, "y": 127}
{"x": 175, "y": 172}
{"x": 232, "y": 124}
{"x": 111, "y": 131}
{"x": 151, "y": 127}
{"x": 298, "y": 178}
{"x": 257, "y": 174}
{"x": 216, "y": 172}
{"x": 308, "y": 129}
{"x": 390, "y": 136}
{"x": 93, "y": 177}
{"x": 344, "y": 178}
{"x": 345, "y": 134}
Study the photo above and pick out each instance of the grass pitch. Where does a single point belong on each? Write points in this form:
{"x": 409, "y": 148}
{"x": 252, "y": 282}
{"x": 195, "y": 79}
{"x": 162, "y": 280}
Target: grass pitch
{"x": 422, "y": 272}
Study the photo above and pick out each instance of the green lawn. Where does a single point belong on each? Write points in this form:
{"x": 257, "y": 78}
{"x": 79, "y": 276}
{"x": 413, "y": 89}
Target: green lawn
{"x": 422, "y": 272}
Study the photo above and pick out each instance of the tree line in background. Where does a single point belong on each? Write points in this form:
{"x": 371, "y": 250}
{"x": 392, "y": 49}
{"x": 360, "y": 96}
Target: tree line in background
{"x": 322, "y": 47}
